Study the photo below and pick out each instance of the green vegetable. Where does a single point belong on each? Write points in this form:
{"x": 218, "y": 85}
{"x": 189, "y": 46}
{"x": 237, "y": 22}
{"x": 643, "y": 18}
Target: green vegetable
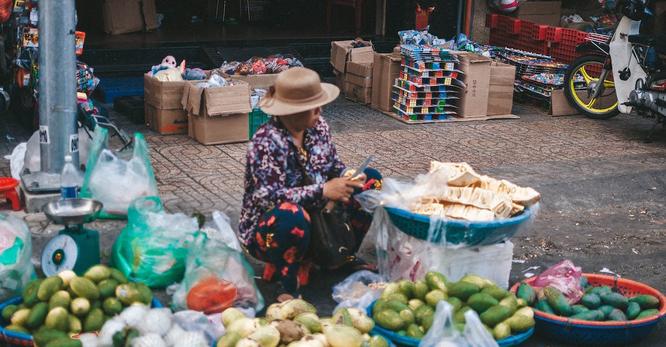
{"x": 415, "y": 331}
{"x": 463, "y": 290}
{"x": 407, "y": 316}
{"x": 633, "y": 310}
{"x": 510, "y": 302}
{"x": 37, "y": 315}
{"x": 617, "y": 315}
{"x": 118, "y": 276}
{"x": 391, "y": 288}
{"x": 60, "y": 299}
{"x": 414, "y": 304}
{"x": 542, "y": 305}
{"x": 112, "y": 306}
{"x": 407, "y": 288}
{"x": 646, "y": 301}
{"x": 459, "y": 317}
{"x": 375, "y": 341}
{"x": 395, "y": 305}
{"x": 501, "y": 331}
{"x": 398, "y": 297}
{"x": 20, "y": 317}
{"x": 591, "y": 301}
{"x": 590, "y": 315}
{"x": 45, "y": 335}
{"x": 436, "y": 280}
{"x": 58, "y": 319}
{"x": 8, "y": 311}
{"x": 107, "y": 288}
{"x": 520, "y": 323}
{"x": 496, "y": 292}
{"x": 423, "y": 314}
{"x": 80, "y": 307}
{"x": 495, "y": 315}
{"x": 48, "y": 287}
{"x": 84, "y": 288}
{"x": 647, "y": 313}
{"x": 579, "y": 309}
{"x": 420, "y": 290}
{"x": 599, "y": 290}
{"x": 477, "y": 281}
{"x": 434, "y": 297}
{"x": 557, "y": 301}
{"x": 616, "y": 300}
{"x": 380, "y": 304}
{"x": 145, "y": 294}
{"x": 606, "y": 309}
{"x": 94, "y": 320}
{"x": 30, "y": 293}
{"x": 98, "y": 273}
{"x": 527, "y": 293}
{"x": 480, "y": 302}
{"x": 389, "y": 319}
{"x": 455, "y": 303}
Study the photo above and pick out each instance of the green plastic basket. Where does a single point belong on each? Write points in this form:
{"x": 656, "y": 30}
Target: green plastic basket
{"x": 257, "y": 119}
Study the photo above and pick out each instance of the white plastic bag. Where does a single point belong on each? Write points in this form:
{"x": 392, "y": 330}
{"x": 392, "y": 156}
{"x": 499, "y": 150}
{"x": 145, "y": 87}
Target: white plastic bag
{"x": 224, "y": 231}
{"x": 16, "y": 270}
{"x": 16, "y": 160}
{"x": 211, "y": 326}
{"x": 444, "y": 334}
{"x": 358, "y": 290}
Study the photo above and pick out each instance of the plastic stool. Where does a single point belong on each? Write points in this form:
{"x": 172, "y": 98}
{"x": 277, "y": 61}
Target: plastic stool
{"x": 8, "y": 188}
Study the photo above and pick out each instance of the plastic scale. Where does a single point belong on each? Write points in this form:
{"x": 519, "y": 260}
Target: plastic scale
{"x": 75, "y": 247}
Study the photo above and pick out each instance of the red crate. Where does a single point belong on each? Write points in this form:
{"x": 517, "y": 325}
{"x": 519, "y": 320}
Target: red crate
{"x": 553, "y": 34}
{"x": 572, "y": 36}
{"x": 533, "y": 31}
{"x": 508, "y": 24}
{"x": 564, "y": 52}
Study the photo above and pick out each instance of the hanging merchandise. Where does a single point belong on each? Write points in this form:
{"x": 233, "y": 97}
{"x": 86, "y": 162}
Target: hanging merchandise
{"x": 116, "y": 182}
{"x": 257, "y": 65}
{"x": 216, "y": 277}
{"x": 152, "y": 248}
{"x": 16, "y": 270}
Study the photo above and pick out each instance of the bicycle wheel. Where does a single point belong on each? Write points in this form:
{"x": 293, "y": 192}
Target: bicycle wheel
{"x": 583, "y": 90}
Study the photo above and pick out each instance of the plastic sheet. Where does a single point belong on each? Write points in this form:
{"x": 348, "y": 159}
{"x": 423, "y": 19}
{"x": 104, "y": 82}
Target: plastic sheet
{"x": 114, "y": 181}
{"x": 16, "y": 270}
{"x": 152, "y": 247}
{"x": 359, "y": 290}
{"x": 444, "y": 334}
{"x": 565, "y": 277}
{"x": 217, "y": 276}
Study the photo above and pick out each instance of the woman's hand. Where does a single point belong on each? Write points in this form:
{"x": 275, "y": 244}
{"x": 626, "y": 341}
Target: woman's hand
{"x": 340, "y": 189}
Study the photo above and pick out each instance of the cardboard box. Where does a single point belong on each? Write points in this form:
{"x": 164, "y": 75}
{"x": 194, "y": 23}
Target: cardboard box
{"x": 559, "y": 105}
{"x": 358, "y": 93}
{"x": 339, "y": 79}
{"x": 474, "y": 100}
{"x": 342, "y": 52}
{"x": 541, "y": 12}
{"x": 166, "y": 122}
{"x": 163, "y": 95}
{"x": 258, "y": 81}
{"x": 219, "y": 130}
{"x": 500, "y": 93}
{"x": 365, "y": 82}
{"x": 217, "y": 115}
{"x": 385, "y": 70}
{"x": 149, "y": 14}
{"x": 122, "y": 16}
{"x": 360, "y": 69}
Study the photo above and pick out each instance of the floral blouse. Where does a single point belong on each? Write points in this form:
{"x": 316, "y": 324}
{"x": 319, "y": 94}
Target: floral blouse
{"x": 273, "y": 173}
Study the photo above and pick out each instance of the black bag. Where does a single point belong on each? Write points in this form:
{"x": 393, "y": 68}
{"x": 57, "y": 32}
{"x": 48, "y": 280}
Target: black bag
{"x": 332, "y": 242}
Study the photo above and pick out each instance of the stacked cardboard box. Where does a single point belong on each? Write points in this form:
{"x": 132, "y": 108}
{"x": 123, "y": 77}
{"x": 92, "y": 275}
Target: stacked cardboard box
{"x": 358, "y": 82}
{"x": 126, "y": 16}
{"x": 541, "y": 12}
{"x": 217, "y": 115}
{"x": 163, "y": 111}
{"x": 474, "y": 97}
{"x": 500, "y": 91}
{"x": 385, "y": 70}
{"x": 343, "y": 52}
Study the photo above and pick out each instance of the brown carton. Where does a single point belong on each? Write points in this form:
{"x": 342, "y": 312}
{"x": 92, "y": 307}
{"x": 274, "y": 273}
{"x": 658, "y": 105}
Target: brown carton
{"x": 218, "y": 115}
{"x": 258, "y": 81}
{"x": 122, "y": 16}
{"x": 559, "y": 105}
{"x": 385, "y": 70}
{"x": 358, "y": 93}
{"x": 541, "y": 12}
{"x": 163, "y": 95}
{"x": 474, "y": 100}
{"x": 166, "y": 122}
{"x": 149, "y": 14}
{"x": 360, "y": 69}
{"x": 365, "y": 82}
{"x": 500, "y": 93}
{"x": 342, "y": 52}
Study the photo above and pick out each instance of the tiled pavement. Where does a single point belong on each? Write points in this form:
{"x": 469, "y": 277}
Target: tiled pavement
{"x": 603, "y": 187}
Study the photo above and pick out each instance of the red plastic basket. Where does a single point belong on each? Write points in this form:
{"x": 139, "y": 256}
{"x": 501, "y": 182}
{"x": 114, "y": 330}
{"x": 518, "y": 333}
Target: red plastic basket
{"x": 533, "y": 31}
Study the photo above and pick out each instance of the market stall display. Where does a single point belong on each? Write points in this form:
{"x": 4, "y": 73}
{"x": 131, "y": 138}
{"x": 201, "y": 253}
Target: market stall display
{"x": 405, "y": 310}
{"x": 611, "y": 311}
{"x": 295, "y": 323}
{"x": 51, "y": 309}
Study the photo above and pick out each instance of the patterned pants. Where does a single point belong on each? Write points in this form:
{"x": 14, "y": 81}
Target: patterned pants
{"x": 283, "y": 237}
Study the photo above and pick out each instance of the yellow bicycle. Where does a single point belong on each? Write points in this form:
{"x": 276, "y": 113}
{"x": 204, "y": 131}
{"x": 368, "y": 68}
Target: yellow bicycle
{"x": 590, "y": 87}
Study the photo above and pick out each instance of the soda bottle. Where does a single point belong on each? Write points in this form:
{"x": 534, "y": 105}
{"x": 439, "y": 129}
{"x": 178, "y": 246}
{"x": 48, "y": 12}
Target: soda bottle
{"x": 69, "y": 180}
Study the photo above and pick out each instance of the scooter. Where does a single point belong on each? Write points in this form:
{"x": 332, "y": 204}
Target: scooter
{"x": 624, "y": 74}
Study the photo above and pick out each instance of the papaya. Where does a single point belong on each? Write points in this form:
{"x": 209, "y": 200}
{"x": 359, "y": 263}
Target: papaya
{"x": 591, "y": 301}
{"x": 420, "y": 290}
{"x": 510, "y": 302}
{"x": 590, "y": 315}
{"x": 422, "y": 313}
{"x": 60, "y": 299}
{"x": 20, "y": 317}
{"x": 389, "y": 319}
{"x": 520, "y": 323}
{"x": 496, "y": 292}
{"x": 64, "y": 342}
{"x": 407, "y": 288}
{"x": 521, "y": 303}
{"x": 379, "y": 306}
{"x": 542, "y": 305}
{"x": 112, "y": 306}
{"x": 436, "y": 280}
{"x": 646, "y": 301}
{"x": 501, "y": 331}
{"x": 633, "y": 310}
{"x": 8, "y": 311}
{"x": 30, "y": 293}
{"x": 146, "y": 295}
{"x": 48, "y": 287}
{"x": 455, "y": 303}
{"x": 45, "y": 335}
{"x": 599, "y": 290}
{"x": 459, "y": 317}
{"x": 477, "y": 280}
{"x": 617, "y": 315}
{"x": 118, "y": 276}
{"x": 17, "y": 329}
{"x": 616, "y": 300}
{"x": 58, "y": 319}
{"x": 413, "y": 304}
{"x": 557, "y": 301}
{"x": 407, "y": 316}
{"x": 97, "y": 273}
{"x": 94, "y": 320}
{"x": 434, "y": 297}
{"x": 75, "y": 325}
{"x": 80, "y": 307}
{"x": 463, "y": 290}
{"x": 37, "y": 315}
{"x": 107, "y": 288}
{"x": 398, "y": 297}
{"x": 647, "y": 313}
{"x": 495, "y": 315}
{"x": 415, "y": 331}
{"x": 579, "y": 309}
{"x": 527, "y": 293}
{"x": 606, "y": 309}
{"x": 480, "y": 302}
{"x": 395, "y": 305}
{"x": 84, "y": 288}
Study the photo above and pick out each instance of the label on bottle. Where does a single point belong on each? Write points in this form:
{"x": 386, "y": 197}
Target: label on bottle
{"x": 68, "y": 192}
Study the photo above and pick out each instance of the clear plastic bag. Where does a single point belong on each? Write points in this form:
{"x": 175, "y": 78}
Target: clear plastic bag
{"x": 152, "y": 248}
{"x": 16, "y": 270}
{"x": 116, "y": 182}
{"x": 358, "y": 290}
{"x": 216, "y": 277}
{"x": 444, "y": 334}
{"x": 16, "y": 160}
{"x": 211, "y": 326}
{"x": 563, "y": 276}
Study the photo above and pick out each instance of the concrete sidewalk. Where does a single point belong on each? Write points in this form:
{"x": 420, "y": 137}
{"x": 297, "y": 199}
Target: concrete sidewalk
{"x": 603, "y": 187}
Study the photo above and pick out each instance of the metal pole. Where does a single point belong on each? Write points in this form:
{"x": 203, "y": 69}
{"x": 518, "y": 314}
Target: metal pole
{"x": 57, "y": 84}
{"x": 459, "y": 19}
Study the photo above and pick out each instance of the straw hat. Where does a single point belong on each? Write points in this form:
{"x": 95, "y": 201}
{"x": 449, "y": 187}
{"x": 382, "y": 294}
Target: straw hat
{"x": 297, "y": 90}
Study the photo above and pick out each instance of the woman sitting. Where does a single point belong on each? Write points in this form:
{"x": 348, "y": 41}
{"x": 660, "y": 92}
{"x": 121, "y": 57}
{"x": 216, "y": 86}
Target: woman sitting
{"x": 293, "y": 171}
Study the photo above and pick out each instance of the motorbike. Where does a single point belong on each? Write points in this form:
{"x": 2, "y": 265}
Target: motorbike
{"x": 625, "y": 74}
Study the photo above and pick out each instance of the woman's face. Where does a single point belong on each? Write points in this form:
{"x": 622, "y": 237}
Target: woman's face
{"x": 304, "y": 120}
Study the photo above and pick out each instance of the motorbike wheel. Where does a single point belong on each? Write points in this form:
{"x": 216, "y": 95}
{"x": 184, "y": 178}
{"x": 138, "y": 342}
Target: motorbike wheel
{"x": 580, "y": 83}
